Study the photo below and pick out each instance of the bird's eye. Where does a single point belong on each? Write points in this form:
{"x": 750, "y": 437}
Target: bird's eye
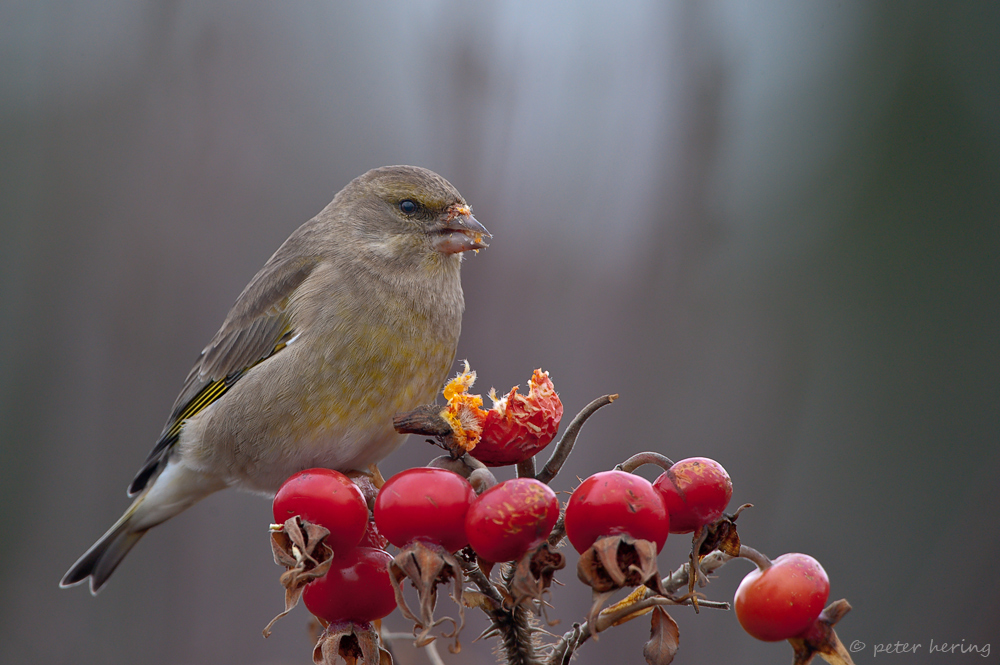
{"x": 407, "y": 207}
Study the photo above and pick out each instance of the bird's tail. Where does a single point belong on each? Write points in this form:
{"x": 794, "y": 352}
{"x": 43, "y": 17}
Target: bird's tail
{"x": 175, "y": 489}
{"x": 103, "y": 557}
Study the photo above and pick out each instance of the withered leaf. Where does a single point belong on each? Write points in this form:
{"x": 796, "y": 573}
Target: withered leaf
{"x": 299, "y": 546}
{"x": 633, "y": 598}
{"x": 720, "y": 535}
{"x": 615, "y": 562}
{"x": 664, "y": 637}
{"x": 533, "y": 575}
{"x": 618, "y": 561}
{"x": 478, "y": 600}
{"x": 347, "y": 643}
{"x": 427, "y": 565}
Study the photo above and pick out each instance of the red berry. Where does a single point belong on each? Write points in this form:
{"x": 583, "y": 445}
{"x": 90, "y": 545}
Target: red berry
{"x": 327, "y": 498}
{"x": 519, "y": 426}
{"x": 424, "y": 504}
{"x": 509, "y": 519}
{"x": 784, "y": 600}
{"x": 612, "y": 503}
{"x": 356, "y": 588}
{"x": 696, "y": 491}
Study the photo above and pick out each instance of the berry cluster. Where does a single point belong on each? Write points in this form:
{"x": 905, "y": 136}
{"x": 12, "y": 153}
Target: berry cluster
{"x": 450, "y": 529}
{"x": 356, "y": 586}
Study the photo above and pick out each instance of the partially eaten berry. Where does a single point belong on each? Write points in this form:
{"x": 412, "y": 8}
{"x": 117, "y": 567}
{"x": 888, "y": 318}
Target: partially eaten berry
{"x": 519, "y": 426}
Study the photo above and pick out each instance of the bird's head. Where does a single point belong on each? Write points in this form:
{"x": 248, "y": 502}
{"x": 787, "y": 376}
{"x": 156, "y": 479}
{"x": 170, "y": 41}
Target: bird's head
{"x": 408, "y": 211}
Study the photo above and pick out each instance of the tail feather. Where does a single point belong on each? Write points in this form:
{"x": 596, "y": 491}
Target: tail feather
{"x": 175, "y": 489}
{"x": 103, "y": 557}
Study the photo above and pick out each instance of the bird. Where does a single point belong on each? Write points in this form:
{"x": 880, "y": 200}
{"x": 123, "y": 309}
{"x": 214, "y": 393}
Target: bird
{"x": 356, "y": 317}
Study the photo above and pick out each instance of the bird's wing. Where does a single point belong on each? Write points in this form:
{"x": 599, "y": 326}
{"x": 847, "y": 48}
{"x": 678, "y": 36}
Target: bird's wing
{"x": 257, "y": 327}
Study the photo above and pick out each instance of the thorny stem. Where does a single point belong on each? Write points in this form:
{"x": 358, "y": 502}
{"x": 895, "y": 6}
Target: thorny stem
{"x": 478, "y": 577}
{"x": 565, "y": 445}
{"x": 637, "y": 460}
{"x": 519, "y": 643}
{"x": 509, "y": 624}
{"x": 747, "y": 552}
{"x": 559, "y": 530}
{"x": 709, "y": 564}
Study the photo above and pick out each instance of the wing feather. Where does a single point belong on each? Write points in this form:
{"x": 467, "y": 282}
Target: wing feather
{"x": 257, "y": 327}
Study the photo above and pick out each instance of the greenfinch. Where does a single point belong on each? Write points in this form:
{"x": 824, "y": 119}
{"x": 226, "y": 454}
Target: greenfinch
{"x": 355, "y": 318}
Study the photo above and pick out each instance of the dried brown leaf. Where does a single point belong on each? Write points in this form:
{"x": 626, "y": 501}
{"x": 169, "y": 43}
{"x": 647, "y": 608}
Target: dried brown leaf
{"x": 615, "y": 562}
{"x": 478, "y": 600}
{"x": 664, "y": 637}
{"x": 299, "y": 546}
{"x": 619, "y": 561}
{"x": 720, "y": 535}
{"x": 347, "y": 643}
{"x": 426, "y": 566}
{"x": 533, "y": 575}
{"x": 636, "y": 596}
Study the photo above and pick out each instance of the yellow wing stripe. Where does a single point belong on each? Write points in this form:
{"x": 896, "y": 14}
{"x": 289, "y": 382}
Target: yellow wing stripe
{"x": 217, "y": 388}
{"x": 209, "y": 394}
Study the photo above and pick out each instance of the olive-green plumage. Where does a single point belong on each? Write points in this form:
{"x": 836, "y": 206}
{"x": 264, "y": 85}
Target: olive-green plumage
{"x": 355, "y": 318}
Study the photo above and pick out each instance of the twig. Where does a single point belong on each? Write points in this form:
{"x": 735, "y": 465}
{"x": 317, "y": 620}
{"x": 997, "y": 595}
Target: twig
{"x": 433, "y": 655}
{"x": 526, "y": 468}
{"x": 563, "y": 650}
{"x": 565, "y": 445}
{"x": 637, "y": 460}
{"x": 747, "y": 552}
{"x": 709, "y": 564}
{"x": 610, "y": 616}
{"x": 477, "y": 577}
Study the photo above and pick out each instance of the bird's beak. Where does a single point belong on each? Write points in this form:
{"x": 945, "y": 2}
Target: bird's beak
{"x": 459, "y": 231}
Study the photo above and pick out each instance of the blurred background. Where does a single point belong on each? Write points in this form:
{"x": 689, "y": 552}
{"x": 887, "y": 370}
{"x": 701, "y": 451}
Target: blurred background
{"x": 772, "y": 227}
